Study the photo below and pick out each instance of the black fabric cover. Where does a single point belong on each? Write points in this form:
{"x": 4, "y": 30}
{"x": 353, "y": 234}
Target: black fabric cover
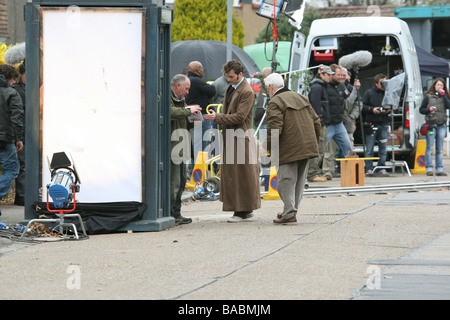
{"x": 431, "y": 65}
{"x": 212, "y": 54}
{"x": 100, "y": 218}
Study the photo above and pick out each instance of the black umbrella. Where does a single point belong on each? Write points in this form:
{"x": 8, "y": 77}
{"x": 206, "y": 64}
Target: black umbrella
{"x": 211, "y": 54}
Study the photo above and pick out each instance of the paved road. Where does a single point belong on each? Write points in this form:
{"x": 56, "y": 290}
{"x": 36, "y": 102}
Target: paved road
{"x": 367, "y": 246}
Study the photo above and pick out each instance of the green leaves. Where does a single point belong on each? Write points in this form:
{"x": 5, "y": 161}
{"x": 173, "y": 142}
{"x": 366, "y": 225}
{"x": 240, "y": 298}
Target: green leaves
{"x": 204, "y": 20}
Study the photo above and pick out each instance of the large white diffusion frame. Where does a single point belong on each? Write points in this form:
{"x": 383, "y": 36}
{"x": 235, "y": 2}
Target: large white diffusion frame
{"x": 92, "y": 101}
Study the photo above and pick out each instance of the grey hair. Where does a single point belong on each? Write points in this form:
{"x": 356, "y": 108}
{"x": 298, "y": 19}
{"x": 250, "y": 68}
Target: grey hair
{"x": 274, "y": 79}
{"x": 179, "y": 78}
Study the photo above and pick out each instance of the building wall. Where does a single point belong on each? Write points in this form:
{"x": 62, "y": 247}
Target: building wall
{"x": 253, "y": 23}
{"x": 16, "y": 21}
{"x": 4, "y": 30}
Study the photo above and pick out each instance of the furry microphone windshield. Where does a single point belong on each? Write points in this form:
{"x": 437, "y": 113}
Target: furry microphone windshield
{"x": 15, "y": 54}
{"x": 356, "y": 60}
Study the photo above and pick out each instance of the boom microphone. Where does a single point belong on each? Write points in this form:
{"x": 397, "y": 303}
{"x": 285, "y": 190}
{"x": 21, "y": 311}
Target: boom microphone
{"x": 15, "y": 54}
{"x": 356, "y": 60}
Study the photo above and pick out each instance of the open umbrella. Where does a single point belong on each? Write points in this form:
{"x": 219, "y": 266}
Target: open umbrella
{"x": 212, "y": 55}
{"x": 260, "y": 52}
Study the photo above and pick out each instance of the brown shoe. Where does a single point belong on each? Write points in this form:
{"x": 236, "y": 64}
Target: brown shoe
{"x": 289, "y": 220}
{"x": 319, "y": 179}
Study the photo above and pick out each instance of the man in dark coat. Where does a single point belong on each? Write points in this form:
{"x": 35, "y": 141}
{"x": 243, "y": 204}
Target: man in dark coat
{"x": 298, "y": 126}
{"x": 376, "y": 121}
{"x": 318, "y": 97}
{"x": 180, "y": 143}
{"x": 11, "y": 128}
{"x": 200, "y": 93}
{"x": 20, "y": 180}
{"x": 239, "y": 181}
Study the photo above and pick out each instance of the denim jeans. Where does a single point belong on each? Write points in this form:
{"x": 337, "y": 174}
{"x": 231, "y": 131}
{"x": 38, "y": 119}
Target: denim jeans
{"x": 10, "y": 168}
{"x": 339, "y": 134}
{"x": 436, "y": 135}
{"x": 380, "y": 135}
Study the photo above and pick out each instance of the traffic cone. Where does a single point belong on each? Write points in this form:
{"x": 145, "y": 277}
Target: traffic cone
{"x": 419, "y": 162}
{"x": 273, "y": 186}
{"x": 200, "y": 170}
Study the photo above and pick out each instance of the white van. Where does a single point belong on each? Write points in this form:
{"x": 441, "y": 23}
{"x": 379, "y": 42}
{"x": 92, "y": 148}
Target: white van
{"x": 389, "y": 41}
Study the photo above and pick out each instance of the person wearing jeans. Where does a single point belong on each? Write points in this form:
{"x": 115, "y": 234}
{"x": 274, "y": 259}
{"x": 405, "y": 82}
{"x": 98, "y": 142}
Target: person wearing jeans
{"x": 434, "y": 106}
{"x": 11, "y": 128}
{"x": 435, "y": 137}
{"x": 10, "y": 167}
{"x": 376, "y": 126}
{"x": 380, "y": 134}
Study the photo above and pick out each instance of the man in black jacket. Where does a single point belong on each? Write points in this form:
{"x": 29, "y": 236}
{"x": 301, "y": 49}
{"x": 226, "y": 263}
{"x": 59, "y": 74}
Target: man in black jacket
{"x": 11, "y": 128}
{"x": 318, "y": 97}
{"x": 337, "y": 93}
{"x": 200, "y": 93}
{"x": 20, "y": 180}
{"x": 376, "y": 124}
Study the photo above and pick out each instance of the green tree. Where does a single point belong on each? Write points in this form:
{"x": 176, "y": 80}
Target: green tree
{"x": 285, "y": 29}
{"x": 204, "y": 20}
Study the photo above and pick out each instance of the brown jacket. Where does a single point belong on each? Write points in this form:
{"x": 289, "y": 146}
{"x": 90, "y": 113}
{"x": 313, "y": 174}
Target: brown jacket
{"x": 239, "y": 177}
{"x": 298, "y": 126}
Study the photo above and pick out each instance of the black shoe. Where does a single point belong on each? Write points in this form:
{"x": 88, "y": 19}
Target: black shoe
{"x": 182, "y": 220}
{"x": 244, "y": 214}
{"x": 19, "y": 201}
{"x": 442, "y": 174}
{"x": 430, "y": 173}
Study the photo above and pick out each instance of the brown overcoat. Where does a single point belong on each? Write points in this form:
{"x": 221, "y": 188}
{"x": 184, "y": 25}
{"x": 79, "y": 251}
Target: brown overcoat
{"x": 239, "y": 178}
{"x": 297, "y": 124}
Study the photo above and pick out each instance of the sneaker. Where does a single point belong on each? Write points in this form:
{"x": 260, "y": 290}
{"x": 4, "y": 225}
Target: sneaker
{"x": 442, "y": 174}
{"x": 430, "y": 173}
{"x": 369, "y": 173}
{"x": 383, "y": 173}
{"x": 319, "y": 179}
{"x": 182, "y": 220}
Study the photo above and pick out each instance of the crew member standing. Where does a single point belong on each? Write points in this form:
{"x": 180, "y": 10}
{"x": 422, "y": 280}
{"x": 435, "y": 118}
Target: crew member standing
{"x": 376, "y": 127}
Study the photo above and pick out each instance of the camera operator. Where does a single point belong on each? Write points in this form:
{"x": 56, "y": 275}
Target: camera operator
{"x": 376, "y": 124}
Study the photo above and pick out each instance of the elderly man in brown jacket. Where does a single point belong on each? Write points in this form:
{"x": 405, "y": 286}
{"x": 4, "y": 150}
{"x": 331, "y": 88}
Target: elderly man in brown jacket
{"x": 239, "y": 181}
{"x": 291, "y": 117}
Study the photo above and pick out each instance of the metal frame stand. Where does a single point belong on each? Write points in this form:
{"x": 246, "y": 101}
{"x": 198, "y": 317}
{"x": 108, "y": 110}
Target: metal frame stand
{"x": 61, "y": 224}
{"x": 62, "y": 213}
{"x": 394, "y": 163}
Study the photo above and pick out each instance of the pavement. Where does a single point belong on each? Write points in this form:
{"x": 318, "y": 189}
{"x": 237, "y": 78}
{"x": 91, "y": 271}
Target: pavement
{"x": 366, "y": 246}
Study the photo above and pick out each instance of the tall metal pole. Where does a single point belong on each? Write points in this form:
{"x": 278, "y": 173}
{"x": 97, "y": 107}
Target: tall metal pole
{"x": 229, "y": 28}
{"x": 274, "y": 38}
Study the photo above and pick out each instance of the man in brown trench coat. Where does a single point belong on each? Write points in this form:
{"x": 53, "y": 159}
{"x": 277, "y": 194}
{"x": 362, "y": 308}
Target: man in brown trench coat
{"x": 239, "y": 183}
{"x": 291, "y": 116}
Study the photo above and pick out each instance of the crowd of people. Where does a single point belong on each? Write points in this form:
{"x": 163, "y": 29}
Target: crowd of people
{"x": 311, "y": 131}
